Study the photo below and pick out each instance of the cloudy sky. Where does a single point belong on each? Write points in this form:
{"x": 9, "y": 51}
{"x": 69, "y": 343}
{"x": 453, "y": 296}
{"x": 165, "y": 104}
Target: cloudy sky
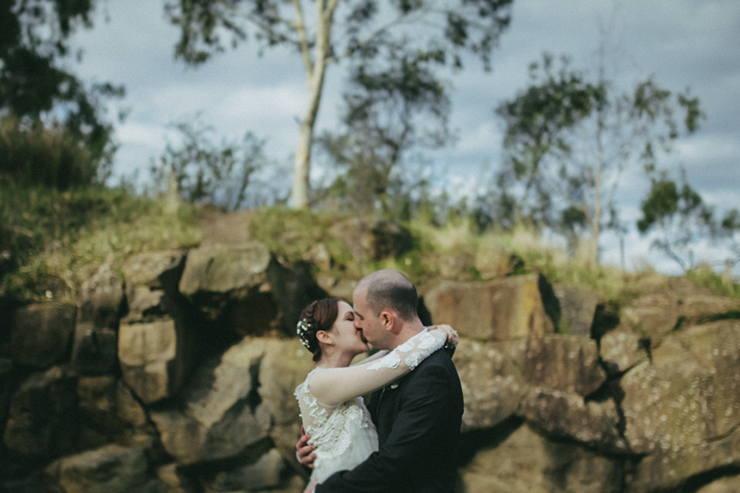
{"x": 682, "y": 43}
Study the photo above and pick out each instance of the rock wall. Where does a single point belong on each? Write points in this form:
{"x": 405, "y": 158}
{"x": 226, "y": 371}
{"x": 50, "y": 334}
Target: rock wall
{"x": 176, "y": 373}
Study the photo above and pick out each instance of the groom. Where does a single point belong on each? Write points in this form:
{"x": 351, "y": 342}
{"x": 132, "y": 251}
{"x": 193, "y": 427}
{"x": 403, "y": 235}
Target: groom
{"x": 417, "y": 417}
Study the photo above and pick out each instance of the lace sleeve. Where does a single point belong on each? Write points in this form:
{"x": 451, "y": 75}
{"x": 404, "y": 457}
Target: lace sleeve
{"x": 336, "y": 385}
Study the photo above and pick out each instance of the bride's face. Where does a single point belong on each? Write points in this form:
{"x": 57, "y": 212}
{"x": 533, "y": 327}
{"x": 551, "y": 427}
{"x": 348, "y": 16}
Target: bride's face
{"x": 346, "y": 337}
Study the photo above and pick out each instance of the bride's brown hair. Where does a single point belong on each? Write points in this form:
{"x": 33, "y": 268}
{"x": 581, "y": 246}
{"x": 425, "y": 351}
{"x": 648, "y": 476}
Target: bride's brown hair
{"x": 319, "y": 315}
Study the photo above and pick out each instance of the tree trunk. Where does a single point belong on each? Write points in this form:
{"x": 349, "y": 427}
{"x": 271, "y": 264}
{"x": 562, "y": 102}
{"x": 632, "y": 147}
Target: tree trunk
{"x": 315, "y": 74}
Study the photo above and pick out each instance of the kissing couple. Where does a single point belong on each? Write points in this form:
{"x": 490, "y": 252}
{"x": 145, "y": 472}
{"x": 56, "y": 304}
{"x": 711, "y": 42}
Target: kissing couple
{"x": 405, "y": 439}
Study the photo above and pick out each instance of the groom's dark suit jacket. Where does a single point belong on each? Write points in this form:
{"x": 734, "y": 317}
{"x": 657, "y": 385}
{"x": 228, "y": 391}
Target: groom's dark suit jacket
{"x": 418, "y": 420}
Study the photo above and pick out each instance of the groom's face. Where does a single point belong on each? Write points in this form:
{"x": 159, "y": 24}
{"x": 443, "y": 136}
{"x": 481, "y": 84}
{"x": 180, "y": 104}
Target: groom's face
{"x": 365, "y": 319}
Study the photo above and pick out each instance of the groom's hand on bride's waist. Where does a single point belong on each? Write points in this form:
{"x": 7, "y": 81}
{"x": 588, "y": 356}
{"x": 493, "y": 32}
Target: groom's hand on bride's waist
{"x": 304, "y": 450}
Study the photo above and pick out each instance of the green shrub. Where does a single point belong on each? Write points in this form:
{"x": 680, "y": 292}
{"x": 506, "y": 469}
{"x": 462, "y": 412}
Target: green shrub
{"x": 53, "y": 158}
{"x": 56, "y": 238}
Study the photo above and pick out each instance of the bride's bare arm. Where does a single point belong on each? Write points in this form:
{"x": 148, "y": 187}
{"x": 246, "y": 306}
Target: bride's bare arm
{"x": 333, "y": 386}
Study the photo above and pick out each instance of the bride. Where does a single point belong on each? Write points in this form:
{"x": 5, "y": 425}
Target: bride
{"x": 333, "y": 412}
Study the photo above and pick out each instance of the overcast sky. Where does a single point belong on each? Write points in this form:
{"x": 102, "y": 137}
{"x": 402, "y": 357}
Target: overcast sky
{"x": 682, "y": 43}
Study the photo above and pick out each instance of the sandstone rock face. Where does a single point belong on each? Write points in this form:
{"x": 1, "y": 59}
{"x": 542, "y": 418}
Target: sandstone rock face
{"x": 145, "y": 304}
{"x": 669, "y": 468}
{"x": 527, "y": 462}
{"x": 41, "y": 418}
{"x": 263, "y": 474}
{"x": 567, "y": 415}
{"x": 499, "y": 310}
{"x": 678, "y": 302}
{"x": 100, "y": 298}
{"x": 577, "y": 307}
{"x": 106, "y": 405}
{"x": 153, "y": 269}
{"x": 493, "y": 261}
{"x": 376, "y": 240}
{"x": 110, "y": 469}
{"x": 221, "y": 398}
{"x": 246, "y": 289}
{"x": 492, "y": 385}
{"x": 566, "y": 363}
{"x": 94, "y": 350}
{"x": 151, "y": 358}
{"x": 723, "y": 485}
{"x": 689, "y": 395}
{"x": 42, "y": 333}
{"x": 621, "y": 349}
{"x": 212, "y": 273}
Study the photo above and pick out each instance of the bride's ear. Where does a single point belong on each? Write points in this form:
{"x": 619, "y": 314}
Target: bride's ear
{"x": 324, "y": 337}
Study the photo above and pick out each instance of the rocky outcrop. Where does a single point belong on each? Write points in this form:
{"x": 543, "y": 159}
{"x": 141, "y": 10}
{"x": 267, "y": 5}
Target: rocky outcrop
{"x": 500, "y": 310}
{"x": 493, "y": 387}
{"x": 178, "y": 376}
{"x": 42, "y": 334}
{"x": 42, "y": 420}
{"x": 566, "y": 363}
{"x": 577, "y": 308}
{"x": 369, "y": 239}
{"x": 109, "y": 469}
{"x": 247, "y": 289}
{"x": 152, "y": 359}
{"x": 527, "y": 461}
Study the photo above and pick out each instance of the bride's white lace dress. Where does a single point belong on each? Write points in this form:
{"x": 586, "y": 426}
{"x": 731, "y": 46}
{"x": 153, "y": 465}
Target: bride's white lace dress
{"x": 335, "y": 415}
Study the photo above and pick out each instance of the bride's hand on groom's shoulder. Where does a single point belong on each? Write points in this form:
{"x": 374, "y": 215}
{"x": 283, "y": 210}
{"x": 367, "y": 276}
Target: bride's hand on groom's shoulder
{"x": 310, "y": 488}
{"x": 452, "y": 337}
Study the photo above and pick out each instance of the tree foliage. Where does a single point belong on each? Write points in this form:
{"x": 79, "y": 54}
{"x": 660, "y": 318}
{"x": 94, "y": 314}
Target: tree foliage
{"x": 205, "y": 171}
{"x": 35, "y": 88}
{"x": 387, "y": 112}
{"x": 569, "y": 138}
{"x": 682, "y": 224}
{"x": 369, "y": 32}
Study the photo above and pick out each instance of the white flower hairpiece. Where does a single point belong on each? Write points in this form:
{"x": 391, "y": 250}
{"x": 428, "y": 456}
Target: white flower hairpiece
{"x": 301, "y": 329}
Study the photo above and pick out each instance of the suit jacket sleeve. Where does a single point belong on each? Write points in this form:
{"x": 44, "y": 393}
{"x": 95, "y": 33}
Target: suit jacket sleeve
{"x": 413, "y": 449}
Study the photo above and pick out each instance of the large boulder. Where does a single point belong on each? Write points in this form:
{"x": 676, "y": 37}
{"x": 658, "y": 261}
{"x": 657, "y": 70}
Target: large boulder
{"x": 149, "y": 277}
{"x": 730, "y": 484}
{"x": 500, "y": 310}
{"x": 152, "y": 358}
{"x": 264, "y": 473}
{"x": 101, "y": 297}
{"x": 42, "y": 419}
{"x": 250, "y": 389}
{"x": 622, "y": 349}
{"x": 672, "y": 468}
{"x": 42, "y": 333}
{"x": 577, "y": 309}
{"x": 94, "y": 350}
{"x": 156, "y": 270}
{"x": 690, "y": 393}
{"x": 567, "y": 415}
{"x": 671, "y": 303}
{"x": 563, "y": 362}
{"x": 495, "y": 261}
{"x": 108, "y": 407}
{"x": 109, "y": 469}
{"x": 528, "y": 462}
{"x": 492, "y": 385}
{"x": 247, "y": 288}
{"x": 369, "y": 239}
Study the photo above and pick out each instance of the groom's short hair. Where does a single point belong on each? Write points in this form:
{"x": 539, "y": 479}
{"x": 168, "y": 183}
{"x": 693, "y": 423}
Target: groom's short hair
{"x": 389, "y": 288}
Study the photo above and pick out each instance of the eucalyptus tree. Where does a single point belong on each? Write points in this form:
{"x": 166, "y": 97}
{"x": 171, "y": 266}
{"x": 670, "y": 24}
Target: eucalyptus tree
{"x": 387, "y": 112}
{"x": 569, "y": 138}
{"x": 325, "y": 32}
{"x": 681, "y": 222}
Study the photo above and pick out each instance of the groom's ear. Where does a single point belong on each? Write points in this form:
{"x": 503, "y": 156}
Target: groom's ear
{"x": 388, "y": 318}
